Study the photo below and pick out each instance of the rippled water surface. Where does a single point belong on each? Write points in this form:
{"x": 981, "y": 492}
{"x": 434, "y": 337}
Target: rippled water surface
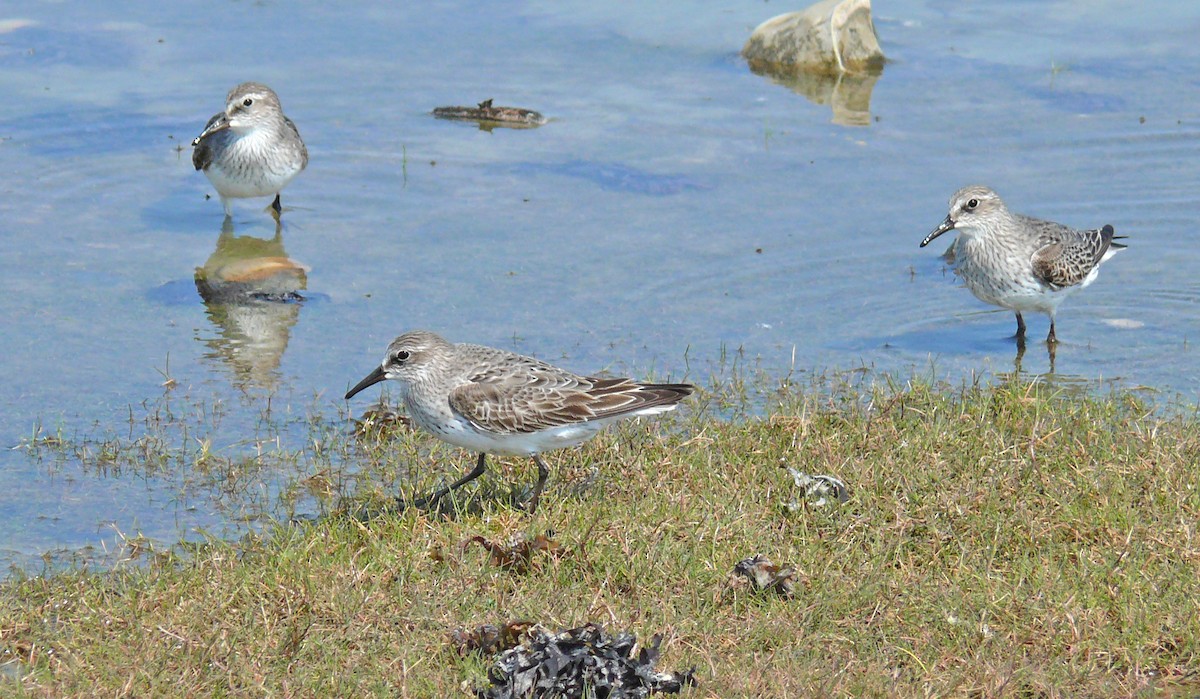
{"x": 676, "y": 207}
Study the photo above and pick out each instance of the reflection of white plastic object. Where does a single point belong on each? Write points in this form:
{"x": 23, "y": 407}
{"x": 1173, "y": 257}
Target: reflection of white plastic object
{"x": 832, "y": 36}
{"x": 847, "y": 94}
{"x": 1124, "y": 323}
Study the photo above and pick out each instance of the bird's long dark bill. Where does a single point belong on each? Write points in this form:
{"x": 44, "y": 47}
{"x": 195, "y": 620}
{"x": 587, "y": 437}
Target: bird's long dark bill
{"x": 373, "y": 378}
{"x": 219, "y": 125}
{"x": 946, "y": 225}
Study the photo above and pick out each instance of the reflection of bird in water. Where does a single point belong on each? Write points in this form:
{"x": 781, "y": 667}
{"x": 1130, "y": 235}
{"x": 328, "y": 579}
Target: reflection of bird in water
{"x": 1051, "y": 352}
{"x": 250, "y": 288}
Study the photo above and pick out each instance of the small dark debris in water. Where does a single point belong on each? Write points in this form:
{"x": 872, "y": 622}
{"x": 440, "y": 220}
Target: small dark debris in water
{"x": 819, "y": 489}
{"x": 581, "y": 662}
{"x": 489, "y": 639}
{"x": 518, "y": 553}
{"x": 488, "y": 114}
{"x": 764, "y": 575}
{"x": 758, "y": 251}
{"x": 1141, "y": 120}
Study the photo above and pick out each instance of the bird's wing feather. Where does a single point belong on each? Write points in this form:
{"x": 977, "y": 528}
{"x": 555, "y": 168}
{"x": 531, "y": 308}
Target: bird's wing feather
{"x": 541, "y": 396}
{"x": 511, "y": 409}
{"x": 303, "y": 148}
{"x": 1067, "y": 256}
{"x": 202, "y": 150}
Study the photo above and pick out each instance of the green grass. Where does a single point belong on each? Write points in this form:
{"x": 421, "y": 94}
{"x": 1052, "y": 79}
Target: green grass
{"x": 1017, "y": 540}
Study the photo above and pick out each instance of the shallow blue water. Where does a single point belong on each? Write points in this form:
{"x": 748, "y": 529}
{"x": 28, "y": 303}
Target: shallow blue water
{"x": 675, "y": 205}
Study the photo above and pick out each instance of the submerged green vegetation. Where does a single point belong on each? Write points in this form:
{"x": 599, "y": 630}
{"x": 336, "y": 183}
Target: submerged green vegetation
{"x": 1017, "y": 539}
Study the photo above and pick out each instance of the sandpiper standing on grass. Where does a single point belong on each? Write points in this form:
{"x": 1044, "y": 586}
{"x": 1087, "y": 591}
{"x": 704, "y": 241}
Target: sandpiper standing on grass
{"x": 1019, "y": 262}
{"x": 251, "y": 149}
{"x": 497, "y": 402}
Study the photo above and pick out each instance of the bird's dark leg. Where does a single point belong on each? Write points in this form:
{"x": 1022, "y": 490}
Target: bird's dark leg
{"x": 1051, "y": 339}
{"x": 476, "y": 472}
{"x": 277, "y": 205}
{"x": 1020, "y": 327}
{"x": 543, "y": 475}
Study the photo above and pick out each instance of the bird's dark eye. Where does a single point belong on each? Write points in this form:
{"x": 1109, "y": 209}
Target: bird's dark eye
{"x": 972, "y": 204}
{"x": 247, "y": 102}
{"x": 400, "y": 357}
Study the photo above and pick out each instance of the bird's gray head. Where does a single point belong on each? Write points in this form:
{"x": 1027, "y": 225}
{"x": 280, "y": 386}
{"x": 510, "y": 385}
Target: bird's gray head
{"x": 251, "y": 105}
{"x": 410, "y": 358}
{"x": 968, "y": 207}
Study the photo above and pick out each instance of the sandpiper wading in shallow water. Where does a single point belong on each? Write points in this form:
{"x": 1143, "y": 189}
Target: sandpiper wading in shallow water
{"x": 497, "y": 402}
{"x": 251, "y": 149}
{"x": 1019, "y": 262}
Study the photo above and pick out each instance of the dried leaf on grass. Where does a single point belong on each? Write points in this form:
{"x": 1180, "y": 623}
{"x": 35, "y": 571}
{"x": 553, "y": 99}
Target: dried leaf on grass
{"x": 488, "y": 639}
{"x": 518, "y": 553}
{"x": 763, "y": 575}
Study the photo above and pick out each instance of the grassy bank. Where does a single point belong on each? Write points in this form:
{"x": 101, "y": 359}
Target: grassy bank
{"x": 998, "y": 541}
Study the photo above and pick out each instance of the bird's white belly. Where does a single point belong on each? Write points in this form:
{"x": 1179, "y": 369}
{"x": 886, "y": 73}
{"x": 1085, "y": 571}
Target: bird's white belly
{"x": 1023, "y": 297}
{"x": 247, "y": 182}
{"x": 458, "y": 431}
{"x": 244, "y": 187}
{"x": 250, "y": 168}
{"x": 462, "y": 434}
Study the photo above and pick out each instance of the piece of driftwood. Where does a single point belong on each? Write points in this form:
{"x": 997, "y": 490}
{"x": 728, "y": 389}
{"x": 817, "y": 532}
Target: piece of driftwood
{"x": 488, "y": 114}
